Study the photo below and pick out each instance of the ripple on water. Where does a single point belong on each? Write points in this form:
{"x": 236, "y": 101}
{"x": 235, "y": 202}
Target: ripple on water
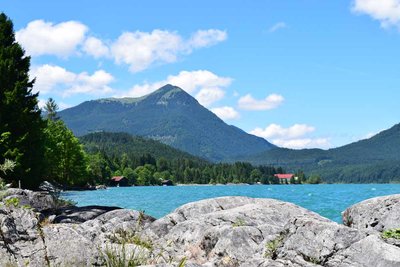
{"x": 327, "y": 200}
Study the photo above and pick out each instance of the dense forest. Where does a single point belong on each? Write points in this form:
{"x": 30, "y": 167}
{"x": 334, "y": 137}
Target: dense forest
{"x": 147, "y": 162}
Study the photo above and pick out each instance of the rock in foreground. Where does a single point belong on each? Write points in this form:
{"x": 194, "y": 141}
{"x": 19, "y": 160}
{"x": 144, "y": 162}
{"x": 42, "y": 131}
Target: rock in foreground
{"x": 228, "y": 231}
{"x": 378, "y": 214}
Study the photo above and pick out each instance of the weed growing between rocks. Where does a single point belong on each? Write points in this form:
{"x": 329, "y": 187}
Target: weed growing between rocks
{"x": 239, "y": 222}
{"x": 271, "y": 247}
{"x": 391, "y": 233}
{"x": 115, "y": 257}
{"x": 312, "y": 260}
{"x": 12, "y": 202}
{"x": 347, "y": 219}
{"x": 128, "y": 237}
{"x": 182, "y": 263}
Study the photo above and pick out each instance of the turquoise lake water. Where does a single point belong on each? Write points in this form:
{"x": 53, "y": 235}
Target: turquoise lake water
{"x": 329, "y": 200}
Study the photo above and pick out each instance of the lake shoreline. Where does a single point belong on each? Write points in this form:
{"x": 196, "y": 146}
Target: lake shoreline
{"x": 92, "y": 188}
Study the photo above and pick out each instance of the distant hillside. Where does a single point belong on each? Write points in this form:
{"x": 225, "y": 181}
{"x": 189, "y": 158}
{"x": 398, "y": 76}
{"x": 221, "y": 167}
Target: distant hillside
{"x": 116, "y": 144}
{"x": 169, "y": 115}
{"x": 372, "y": 160}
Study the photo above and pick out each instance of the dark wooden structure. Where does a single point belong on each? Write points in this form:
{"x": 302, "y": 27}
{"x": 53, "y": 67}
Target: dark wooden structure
{"x": 167, "y": 182}
{"x": 119, "y": 181}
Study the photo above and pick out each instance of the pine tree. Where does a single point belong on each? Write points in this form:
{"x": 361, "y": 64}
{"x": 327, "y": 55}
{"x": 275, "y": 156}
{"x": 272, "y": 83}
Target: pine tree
{"x": 51, "y": 109}
{"x": 20, "y": 119}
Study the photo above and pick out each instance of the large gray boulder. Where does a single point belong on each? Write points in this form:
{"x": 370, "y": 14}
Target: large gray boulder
{"x": 313, "y": 242}
{"x": 227, "y": 231}
{"x": 370, "y": 251}
{"x": 36, "y": 200}
{"x": 83, "y": 244}
{"x": 377, "y": 214}
{"x": 21, "y": 238}
{"x": 27, "y": 239}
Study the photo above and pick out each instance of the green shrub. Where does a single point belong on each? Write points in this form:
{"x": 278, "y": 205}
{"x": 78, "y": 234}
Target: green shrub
{"x": 391, "y": 233}
{"x": 13, "y": 201}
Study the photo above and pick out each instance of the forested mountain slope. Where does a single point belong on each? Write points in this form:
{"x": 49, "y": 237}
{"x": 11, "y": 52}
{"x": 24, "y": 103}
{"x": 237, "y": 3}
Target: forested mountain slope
{"x": 169, "y": 115}
{"x": 376, "y": 159}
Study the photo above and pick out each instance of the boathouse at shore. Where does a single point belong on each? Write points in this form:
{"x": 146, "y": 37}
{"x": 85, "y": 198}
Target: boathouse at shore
{"x": 119, "y": 181}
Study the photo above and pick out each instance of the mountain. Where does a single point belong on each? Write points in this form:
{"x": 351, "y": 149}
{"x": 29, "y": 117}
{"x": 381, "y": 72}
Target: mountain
{"x": 123, "y": 143}
{"x": 376, "y": 159}
{"x": 169, "y": 115}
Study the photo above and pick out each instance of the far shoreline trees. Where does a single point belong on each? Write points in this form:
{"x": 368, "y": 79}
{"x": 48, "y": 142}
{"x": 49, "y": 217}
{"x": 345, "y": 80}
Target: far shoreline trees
{"x": 120, "y": 154}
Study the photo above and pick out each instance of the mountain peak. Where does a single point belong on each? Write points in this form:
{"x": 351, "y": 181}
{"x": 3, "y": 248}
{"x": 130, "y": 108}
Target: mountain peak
{"x": 169, "y": 87}
{"x": 170, "y": 94}
{"x": 169, "y": 115}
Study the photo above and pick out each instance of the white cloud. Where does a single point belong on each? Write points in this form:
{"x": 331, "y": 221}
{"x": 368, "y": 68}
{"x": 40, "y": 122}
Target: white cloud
{"x": 205, "y": 38}
{"x": 41, "y": 103}
{"x": 209, "y": 95}
{"x": 95, "y": 84}
{"x": 277, "y": 131}
{"x": 140, "y": 50}
{"x": 49, "y": 76}
{"x": 55, "y": 79}
{"x": 277, "y": 26}
{"x": 95, "y": 47}
{"x": 272, "y": 101}
{"x": 206, "y": 86}
{"x": 371, "y": 134}
{"x": 385, "y": 11}
{"x": 226, "y": 113}
{"x": 63, "y": 105}
{"x": 294, "y": 136}
{"x": 303, "y": 143}
{"x": 45, "y": 38}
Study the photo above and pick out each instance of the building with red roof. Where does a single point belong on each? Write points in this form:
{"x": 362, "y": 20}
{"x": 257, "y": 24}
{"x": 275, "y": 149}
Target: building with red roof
{"x": 284, "y": 178}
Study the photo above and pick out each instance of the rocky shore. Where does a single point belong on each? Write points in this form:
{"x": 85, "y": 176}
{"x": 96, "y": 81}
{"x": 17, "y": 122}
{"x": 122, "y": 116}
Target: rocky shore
{"x": 36, "y": 229}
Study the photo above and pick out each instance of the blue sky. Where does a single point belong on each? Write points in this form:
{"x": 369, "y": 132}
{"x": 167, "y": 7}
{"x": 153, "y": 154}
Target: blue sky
{"x": 304, "y": 73}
